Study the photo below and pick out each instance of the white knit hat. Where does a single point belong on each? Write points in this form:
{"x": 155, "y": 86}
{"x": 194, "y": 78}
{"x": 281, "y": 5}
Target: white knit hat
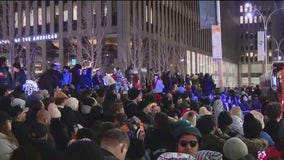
{"x": 18, "y": 101}
{"x": 73, "y": 103}
{"x": 234, "y": 148}
{"x": 54, "y": 111}
{"x": 258, "y": 116}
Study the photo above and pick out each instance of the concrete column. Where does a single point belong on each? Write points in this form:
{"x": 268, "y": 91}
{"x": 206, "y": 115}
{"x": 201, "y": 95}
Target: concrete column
{"x": 123, "y": 32}
{"x": 43, "y": 28}
{"x": 60, "y": 34}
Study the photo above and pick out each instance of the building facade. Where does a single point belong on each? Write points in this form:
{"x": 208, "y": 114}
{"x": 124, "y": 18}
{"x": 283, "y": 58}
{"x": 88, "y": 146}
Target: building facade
{"x": 253, "y": 16}
{"x": 163, "y": 35}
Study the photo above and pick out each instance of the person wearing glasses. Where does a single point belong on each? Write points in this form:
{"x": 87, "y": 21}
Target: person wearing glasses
{"x": 189, "y": 141}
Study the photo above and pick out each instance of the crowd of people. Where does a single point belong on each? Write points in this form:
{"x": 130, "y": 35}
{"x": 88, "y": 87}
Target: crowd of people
{"x": 74, "y": 114}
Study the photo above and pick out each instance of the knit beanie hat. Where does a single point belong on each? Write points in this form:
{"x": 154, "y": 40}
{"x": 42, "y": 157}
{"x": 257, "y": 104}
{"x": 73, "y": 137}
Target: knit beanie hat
{"x": 38, "y": 130}
{"x": 236, "y": 111}
{"x": 258, "y": 116}
{"x": 252, "y": 126}
{"x": 234, "y": 148}
{"x": 203, "y": 111}
{"x": 53, "y": 110}
{"x": 18, "y": 101}
{"x": 182, "y": 127}
{"x": 133, "y": 93}
{"x": 60, "y": 94}
{"x": 224, "y": 120}
{"x": 73, "y": 103}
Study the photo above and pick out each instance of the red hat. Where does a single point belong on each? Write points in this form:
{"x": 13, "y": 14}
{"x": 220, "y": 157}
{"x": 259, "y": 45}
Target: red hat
{"x": 137, "y": 85}
{"x": 158, "y": 98}
{"x": 187, "y": 87}
{"x": 184, "y": 111}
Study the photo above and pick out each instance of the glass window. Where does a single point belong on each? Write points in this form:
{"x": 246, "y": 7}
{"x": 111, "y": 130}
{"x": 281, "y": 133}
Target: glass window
{"x": 32, "y": 18}
{"x": 241, "y": 8}
{"x": 16, "y": 20}
{"x": 56, "y": 10}
{"x": 39, "y": 16}
{"x": 74, "y": 11}
{"x": 246, "y": 19}
{"x": 255, "y": 19}
{"x": 105, "y": 10}
{"x": 244, "y": 81}
{"x": 254, "y": 80}
{"x": 24, "y": 18}
{"x": 114, "y": 13}
{"x": 197, "y": 63}
{"x": 256, "y": 68}
{"x": 93, "y": 8}
{"x": 48, "y": 14}
{"x": 241, "y": 19}
{"x": 65, "y": 15}
{"x": 146, "y": 14}
{"x": 151, "y": 16}
{"x": 193, "y": 63}
{"x": 244, "y": 68}
{"x": 250, "y": 19}
{"x": 188, "y": 62}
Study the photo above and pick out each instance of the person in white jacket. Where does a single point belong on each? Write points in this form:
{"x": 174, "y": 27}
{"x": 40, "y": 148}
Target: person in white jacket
{"x": 8, "y": 142}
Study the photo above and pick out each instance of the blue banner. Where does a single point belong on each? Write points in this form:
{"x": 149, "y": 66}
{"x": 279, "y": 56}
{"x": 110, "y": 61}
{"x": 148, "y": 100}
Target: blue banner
{"x": 207, "y": 12}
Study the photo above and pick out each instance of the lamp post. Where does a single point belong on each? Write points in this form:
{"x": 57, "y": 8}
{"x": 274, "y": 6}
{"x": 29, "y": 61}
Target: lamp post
{"x": 265, "y": 24}
{"x": 278, "y": 45}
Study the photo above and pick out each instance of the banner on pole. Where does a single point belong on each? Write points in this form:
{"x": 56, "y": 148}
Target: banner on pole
{"x": 216, "y": 42}
{"x": 207, "y": 12}
{"x": 260, "y": 46}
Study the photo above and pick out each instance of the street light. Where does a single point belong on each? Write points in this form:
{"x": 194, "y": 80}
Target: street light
{"x": 278, "y": 45}
{"x": 265, "y": 24}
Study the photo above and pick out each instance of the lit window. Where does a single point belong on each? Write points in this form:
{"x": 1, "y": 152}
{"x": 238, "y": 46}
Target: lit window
{"x": 75, "y": 11}
{"x": 246, "y": 19}
{"x": 56, "y": 10}
{"x": 24, "y": 18}
{"x": 151, "y": 16}
{"x": 39, "y": 16}
{"x": 250, "y": 19}
{"x": 246, "y": 8}
{"x": 241, "y": 19}
{"x": 255, "y": 19}
{"x": 105, "y": 10}
{"x": 241, "y": 8}
{"x": 16, "y": 20}
{"x": 93, "y": 7}
{"x": 251, "y": 54}
{"x": 65, "y": 15}
{"x": 146, "y": 13}
{"x": 260, "y": 19}
{"x": 32, "y": 18}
